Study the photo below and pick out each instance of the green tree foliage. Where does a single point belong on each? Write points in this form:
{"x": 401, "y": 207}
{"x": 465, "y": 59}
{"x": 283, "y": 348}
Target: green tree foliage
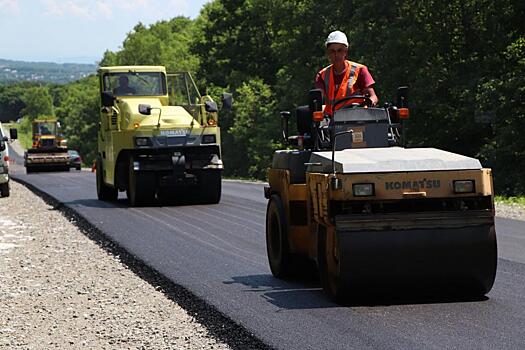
{"x": 234, "y": 42}
{"x": 505, "y": 97}
{"x": 163, "y": 43}
{"x": 38, "y": 102}
{"x": 78, "y": 113}
{"x": 253, "y": 131}
{"x": 11, "y": 103}
{"x": 460, "y": 58}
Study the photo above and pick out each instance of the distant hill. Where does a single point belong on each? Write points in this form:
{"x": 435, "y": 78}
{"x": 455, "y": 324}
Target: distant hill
{"x": 16, "y": 71}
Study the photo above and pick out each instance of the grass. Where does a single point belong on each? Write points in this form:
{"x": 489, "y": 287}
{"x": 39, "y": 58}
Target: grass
{"x": 243, "y": 178}
{"x": 24, "y": 136}
{"x": 511, "y": 200}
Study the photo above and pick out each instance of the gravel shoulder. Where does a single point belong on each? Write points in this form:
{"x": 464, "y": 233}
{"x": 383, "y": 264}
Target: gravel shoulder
{"x": 62, "y": 289}
{"x": 510, "y": 211}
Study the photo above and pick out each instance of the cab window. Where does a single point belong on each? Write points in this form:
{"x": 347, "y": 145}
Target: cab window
{"x": 135, "y": 83}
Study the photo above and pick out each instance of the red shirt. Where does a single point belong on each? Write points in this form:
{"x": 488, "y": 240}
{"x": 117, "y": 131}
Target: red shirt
{"x": 364, "y": 80}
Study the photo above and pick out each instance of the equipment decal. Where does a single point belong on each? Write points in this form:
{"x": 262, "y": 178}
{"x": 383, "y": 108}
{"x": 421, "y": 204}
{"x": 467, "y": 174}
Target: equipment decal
{"x": 412, "y": 185}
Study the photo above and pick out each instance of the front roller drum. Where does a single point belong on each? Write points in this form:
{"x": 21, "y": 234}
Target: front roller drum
{"x": 458, "y": 262}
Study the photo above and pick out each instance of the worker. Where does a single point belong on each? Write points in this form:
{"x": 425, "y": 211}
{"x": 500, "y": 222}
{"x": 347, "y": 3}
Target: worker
{"x": 343, "y": 78}
{"x": 44, "y": 130}
{"x": 123, "y": 88}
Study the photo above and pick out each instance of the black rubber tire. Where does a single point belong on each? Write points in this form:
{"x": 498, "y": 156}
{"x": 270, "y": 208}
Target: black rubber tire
{"x": 104, "y": 192}
{"x": 210, "y": 187}
{"x": 78, "y": 167}
{"x": 328, "y": 267}
{"x": 141, "y": 187}
{"x": 4, "y": 189}
{"x": 280, "y": 259}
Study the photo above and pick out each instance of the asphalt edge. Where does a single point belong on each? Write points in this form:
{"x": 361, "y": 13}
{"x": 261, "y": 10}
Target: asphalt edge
{"x": 220, "y": 326}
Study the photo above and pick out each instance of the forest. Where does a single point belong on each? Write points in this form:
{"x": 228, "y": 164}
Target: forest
{"x": 464, "y": 62}
{"x": 14, "y": 71}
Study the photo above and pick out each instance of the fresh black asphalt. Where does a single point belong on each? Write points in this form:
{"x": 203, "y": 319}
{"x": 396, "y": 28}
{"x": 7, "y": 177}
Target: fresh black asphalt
{"x": 218, "y": 253}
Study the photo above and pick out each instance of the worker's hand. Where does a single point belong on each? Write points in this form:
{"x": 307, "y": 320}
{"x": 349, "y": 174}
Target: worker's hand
{"x": 369, "y": 92}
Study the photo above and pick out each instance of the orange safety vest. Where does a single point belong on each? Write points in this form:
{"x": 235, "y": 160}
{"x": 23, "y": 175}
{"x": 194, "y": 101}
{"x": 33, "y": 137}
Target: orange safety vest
{"x": 347, "y": 87}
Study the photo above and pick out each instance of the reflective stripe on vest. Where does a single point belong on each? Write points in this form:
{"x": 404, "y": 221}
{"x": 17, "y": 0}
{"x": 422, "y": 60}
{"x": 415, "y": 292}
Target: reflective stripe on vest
{"x": 347, "y": 87}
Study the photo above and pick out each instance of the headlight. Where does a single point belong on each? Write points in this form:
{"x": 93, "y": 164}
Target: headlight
{"x": 464, "y": 186}
{"x": 142, "y": 141}
{"x": 363, "y": 190}
{"x": 208, "y": 138}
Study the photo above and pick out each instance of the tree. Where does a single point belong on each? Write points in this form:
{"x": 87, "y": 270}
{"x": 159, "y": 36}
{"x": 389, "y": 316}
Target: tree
{"x": 38, "y": 102}
{"x": 255, "y": 136}
{"x": 163, "y": 43}
{"x": 79, "y": 115}
{"x": 11, "y": 103}
{"x": 505, "y": 97}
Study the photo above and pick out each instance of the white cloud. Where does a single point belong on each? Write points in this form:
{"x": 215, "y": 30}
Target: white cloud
{"x": 178, "y": 7}
{"x": 74, "y": 8}
{"x": 133, "y": 5}
{"x": 104, "y": 9}
{"x": 53, "y": 8}
{"x": 9, "y": 7}
{"x": 79, "y": 10}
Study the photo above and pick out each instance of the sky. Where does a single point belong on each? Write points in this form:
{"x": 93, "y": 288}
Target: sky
{"x": 78, "y": 31}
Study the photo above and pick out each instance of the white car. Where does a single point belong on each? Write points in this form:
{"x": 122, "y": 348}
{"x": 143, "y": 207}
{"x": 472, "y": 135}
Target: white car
{"x": 4, "y": 161}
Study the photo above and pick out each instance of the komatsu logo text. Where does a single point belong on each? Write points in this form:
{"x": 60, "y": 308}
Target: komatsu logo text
{"x": 412, "y": 185}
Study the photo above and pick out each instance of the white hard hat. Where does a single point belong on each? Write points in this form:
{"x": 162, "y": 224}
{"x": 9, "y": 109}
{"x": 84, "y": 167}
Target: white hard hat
{"x": 336, "y": 37}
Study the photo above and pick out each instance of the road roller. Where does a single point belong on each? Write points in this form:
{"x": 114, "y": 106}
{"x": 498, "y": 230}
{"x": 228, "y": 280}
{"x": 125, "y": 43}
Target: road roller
{"x": 377, "y": 218}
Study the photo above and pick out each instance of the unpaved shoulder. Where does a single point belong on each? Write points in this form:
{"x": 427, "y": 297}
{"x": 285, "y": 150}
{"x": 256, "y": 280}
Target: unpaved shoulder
{"x": 59, "y": 289}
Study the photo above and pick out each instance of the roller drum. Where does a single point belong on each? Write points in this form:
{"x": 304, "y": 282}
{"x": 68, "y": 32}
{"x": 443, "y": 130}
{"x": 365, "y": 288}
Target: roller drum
{"x": 448, "y": 261}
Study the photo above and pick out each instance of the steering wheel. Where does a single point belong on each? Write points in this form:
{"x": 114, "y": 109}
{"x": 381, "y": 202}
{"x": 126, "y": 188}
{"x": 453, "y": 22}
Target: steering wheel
{"x": 357, "y": 101}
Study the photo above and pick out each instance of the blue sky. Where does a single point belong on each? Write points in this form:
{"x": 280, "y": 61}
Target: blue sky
{"x": 78, "y": 30}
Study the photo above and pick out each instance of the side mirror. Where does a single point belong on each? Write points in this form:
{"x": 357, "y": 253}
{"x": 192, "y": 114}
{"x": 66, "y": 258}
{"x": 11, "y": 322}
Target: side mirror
{"x": 144, "y": 109}
{"x": 402, "y": 97}
{"x": 315, "y": 100}
{"x": 210, "y": 107}
{"x": 227, "y": 100}
{"x": 13, "y": 133}
{"x": 107, "y": 98}
{"x": 285, "y": 117}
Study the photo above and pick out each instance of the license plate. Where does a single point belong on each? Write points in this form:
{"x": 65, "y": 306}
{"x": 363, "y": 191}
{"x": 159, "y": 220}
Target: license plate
{"x": 175, "y": 132}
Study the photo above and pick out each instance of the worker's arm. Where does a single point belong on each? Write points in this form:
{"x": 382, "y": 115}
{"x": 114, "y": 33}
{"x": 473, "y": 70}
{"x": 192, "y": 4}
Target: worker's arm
{"x": 369, "y": 91}
{"x": 365, "y": 84}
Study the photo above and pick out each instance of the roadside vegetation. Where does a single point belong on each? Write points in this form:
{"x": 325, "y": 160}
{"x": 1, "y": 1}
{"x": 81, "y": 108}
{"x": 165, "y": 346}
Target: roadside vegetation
{"x": 463, "y": 61}
{"x": 519, "y": 200}
{"x": 24, "y": 135}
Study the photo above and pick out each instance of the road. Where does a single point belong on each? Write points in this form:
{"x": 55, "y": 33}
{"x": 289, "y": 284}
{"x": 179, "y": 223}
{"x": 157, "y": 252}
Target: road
{"x": 218, "y": 252}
